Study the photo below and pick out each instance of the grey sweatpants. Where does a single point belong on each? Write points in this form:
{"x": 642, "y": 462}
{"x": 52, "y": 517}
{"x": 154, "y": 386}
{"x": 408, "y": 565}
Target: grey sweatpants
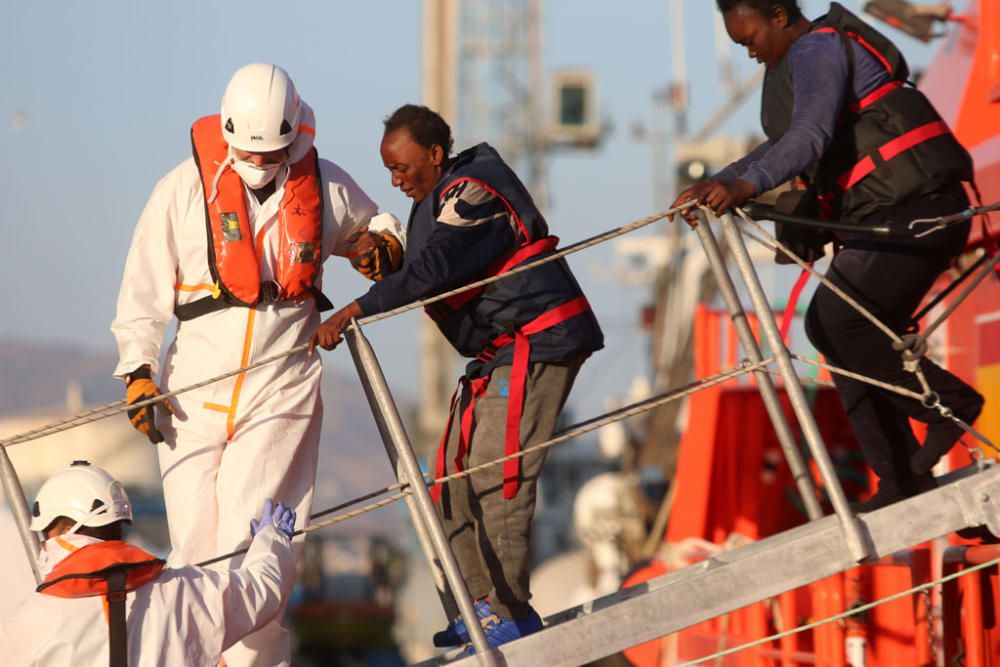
{"x": 489, "y": 534}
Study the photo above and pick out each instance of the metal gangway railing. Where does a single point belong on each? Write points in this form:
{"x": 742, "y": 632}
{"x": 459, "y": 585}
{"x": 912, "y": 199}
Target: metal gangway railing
{"x": 730, "y": 580}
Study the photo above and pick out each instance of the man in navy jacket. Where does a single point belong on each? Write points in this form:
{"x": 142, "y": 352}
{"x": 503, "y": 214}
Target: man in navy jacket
{"x": 527, "y": 335}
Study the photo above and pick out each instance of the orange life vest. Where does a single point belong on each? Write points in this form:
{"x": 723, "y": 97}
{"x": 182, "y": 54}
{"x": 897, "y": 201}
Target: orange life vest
{"x": 83, "y": 573}
{"x": 232, "y": 254}
{"x": 109, "y": 569}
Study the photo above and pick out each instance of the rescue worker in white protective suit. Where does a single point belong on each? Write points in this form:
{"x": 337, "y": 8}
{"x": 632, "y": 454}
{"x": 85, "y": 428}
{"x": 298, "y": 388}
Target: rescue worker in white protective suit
{"x": 244, "y": 289}
{"x": 106, "y": 602}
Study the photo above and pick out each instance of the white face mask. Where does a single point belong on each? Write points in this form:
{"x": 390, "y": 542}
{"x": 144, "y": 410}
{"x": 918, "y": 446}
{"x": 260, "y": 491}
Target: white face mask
{"x": 256, "y": 177}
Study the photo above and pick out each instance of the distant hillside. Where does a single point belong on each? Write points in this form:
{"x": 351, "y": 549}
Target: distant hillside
{"x": 34, "y": 376}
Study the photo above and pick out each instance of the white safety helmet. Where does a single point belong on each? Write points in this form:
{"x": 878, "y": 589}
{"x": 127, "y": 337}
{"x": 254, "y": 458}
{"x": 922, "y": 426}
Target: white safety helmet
{"x": 84, "y": 493}
{"x": 260, "y": 109}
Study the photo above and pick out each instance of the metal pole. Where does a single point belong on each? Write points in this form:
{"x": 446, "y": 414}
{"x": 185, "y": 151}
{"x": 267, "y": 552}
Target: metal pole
{"x": 803, "y": 480}
{"x": 856, "y": 538}
{"x": 19, "y": 507}
{"x": 423, "y": 537}
{"x": 376, "y": 388}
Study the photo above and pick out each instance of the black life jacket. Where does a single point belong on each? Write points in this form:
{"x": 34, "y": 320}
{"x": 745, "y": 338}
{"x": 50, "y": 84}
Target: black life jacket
{"x": 889, "y": 147}
{"x": 471, "y": 321}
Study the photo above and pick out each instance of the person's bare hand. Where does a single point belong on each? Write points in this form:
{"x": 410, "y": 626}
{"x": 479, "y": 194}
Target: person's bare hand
{"x": 716, "y": 195}
{"x": 694, "y": 193}
{"x": 721, "y": 197}
{"x": 329, "y": 334}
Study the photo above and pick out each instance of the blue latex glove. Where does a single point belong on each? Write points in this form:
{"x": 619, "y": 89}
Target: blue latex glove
{"x": 277, "y": 515}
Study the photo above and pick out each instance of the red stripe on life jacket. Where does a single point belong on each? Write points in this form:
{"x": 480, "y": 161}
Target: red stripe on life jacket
{"x": 890, "y": 150}
{"x": 851, "y": 177}
{"x": 515, "y": 401}
{"x": 874, "y": 96}
{"x": 912, "y": 138}
{"x": 523, "y": 253}
{"x": 864, "y": 43}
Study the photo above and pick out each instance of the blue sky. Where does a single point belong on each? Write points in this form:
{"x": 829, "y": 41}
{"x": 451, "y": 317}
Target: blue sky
{"x": 99, "y": 97}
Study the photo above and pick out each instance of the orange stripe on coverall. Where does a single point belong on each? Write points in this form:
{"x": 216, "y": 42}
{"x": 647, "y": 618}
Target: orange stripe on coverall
{"x": 194, "y": 288}
{"x": 247, "y": 340}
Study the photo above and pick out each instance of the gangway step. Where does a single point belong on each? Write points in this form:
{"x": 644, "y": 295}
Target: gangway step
{"x": 734, "y": 579}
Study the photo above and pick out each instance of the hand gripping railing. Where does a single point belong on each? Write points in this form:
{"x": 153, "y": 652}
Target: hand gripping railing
{"x": 856, "y": 538}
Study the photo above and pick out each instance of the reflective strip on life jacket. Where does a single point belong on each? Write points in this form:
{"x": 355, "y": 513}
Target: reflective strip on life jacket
{"x": 515, "y": 401}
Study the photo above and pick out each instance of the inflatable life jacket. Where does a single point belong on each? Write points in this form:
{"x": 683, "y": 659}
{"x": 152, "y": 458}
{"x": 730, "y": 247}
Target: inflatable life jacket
{"x": 888, "y": 148}
{"x": 232, "y": 252}
{"x": 110, "y": 569}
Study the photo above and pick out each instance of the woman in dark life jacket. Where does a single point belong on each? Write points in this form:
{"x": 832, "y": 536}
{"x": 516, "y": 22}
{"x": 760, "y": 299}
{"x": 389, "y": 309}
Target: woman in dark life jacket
{"x": 838, "y": 112}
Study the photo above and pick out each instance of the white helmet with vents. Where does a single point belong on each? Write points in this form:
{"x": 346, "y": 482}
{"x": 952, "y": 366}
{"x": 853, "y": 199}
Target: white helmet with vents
{"x": 260, "y": 109}
{"x": 83, "y": 493}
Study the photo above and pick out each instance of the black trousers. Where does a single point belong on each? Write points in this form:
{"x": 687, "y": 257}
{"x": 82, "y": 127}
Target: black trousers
{"x": 891, "y": 280}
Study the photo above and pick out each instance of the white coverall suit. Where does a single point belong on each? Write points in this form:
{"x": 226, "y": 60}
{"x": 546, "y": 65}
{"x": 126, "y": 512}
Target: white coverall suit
{"x": 253, "y": 436}
{"x": 186, "y": 616}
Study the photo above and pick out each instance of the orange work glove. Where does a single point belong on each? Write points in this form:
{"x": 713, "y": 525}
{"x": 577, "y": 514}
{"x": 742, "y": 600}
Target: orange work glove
{"x": 140, "y": 387}
{"x": 375, "y": 254}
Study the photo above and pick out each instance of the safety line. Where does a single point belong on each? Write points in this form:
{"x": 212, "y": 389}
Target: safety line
{"x": 568, "y": 250}
{"x": 569, "y": 433}
{"x": 984, "y": 272}
{"x": 773, "y": 243}
{"x": 843, "y": 615}
{"x": 118, "y": 407}
{"x": 928, "y": 307}
{"x": 909, "y": 346}
{"x": 902, "y": 391}
{"x": 112, "y": 409}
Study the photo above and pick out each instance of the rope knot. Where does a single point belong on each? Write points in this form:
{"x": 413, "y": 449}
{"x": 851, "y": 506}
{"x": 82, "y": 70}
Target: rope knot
{"x": 912, "y": 345}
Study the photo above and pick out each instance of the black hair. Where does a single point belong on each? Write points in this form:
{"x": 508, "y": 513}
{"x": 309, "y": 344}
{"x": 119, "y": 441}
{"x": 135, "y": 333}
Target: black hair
{"x": 425, "y": 126}
{"x": 763, "y": 7}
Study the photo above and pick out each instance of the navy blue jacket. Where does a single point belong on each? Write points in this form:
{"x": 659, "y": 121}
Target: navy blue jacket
{"x": 476, "y": 217}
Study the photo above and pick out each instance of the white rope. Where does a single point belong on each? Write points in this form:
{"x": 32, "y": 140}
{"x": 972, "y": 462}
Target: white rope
{"x": 772, "y": 243}
{"x": 579, "y": 429}
{"x": 118, "y": 407}
{"x": 911, "y": 361}
{"x": 568, "y": 250}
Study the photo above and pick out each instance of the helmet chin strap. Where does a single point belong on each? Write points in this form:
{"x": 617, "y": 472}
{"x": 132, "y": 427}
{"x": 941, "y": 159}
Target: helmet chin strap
{"x": 93, "y": 514}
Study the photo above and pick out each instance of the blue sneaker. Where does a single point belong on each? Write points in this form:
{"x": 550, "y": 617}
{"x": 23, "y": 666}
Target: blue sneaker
{"x": 502, "y": 630}
{"x": 456, "y": 633}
